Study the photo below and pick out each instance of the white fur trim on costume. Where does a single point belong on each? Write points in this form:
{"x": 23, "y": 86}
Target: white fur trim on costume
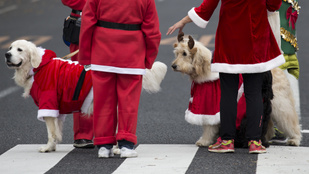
{"x": 68, "y": 60}
{"x": 112, "y": 69}
{"x": 87, "y": 101}
{"x": 47, "y": 113}
{"x": 200, "y": 119}
{"x": 248, "y": 68}
{"x": 196, "y": 19}
{"x": 41, "y": 51}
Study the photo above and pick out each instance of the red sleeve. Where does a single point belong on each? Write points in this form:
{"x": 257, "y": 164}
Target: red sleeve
{"x": 74, "y": 4}
{"x": 273, "y": 5}
{"x": 89, "y": 21}
{"x": 151, "y": 30}
{"x": 206, "y": 9}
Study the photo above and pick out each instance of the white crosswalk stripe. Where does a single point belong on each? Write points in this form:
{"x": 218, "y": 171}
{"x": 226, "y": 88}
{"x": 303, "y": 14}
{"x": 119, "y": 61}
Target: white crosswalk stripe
{"x": 26, "y": 159}
{"x": 284, "y": 160}
{"x": 153, "y": 158}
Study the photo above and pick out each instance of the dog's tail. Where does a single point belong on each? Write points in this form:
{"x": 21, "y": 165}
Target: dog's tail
{"x": 153, "y": 77}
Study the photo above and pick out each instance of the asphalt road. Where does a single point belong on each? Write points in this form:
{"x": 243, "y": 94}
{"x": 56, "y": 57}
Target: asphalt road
{"x": 161, "y": 115}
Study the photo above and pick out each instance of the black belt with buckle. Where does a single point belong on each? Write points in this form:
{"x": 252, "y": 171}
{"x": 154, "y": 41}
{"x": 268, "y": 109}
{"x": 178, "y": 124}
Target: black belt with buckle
{"x": 119, "y": 26}
{"x": 76, "y": 12}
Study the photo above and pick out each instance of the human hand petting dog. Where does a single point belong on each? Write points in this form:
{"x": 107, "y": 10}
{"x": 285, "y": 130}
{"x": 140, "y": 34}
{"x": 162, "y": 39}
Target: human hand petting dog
{"x": 179, "y": 25}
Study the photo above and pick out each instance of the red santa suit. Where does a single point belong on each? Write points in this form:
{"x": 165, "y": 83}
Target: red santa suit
{"x": 118, "y": 58}
{"x": 204, "y": 105}
{"x": 243, "y": 44}
{"x": 82, "y": 126}
{"x": 54, "y": 84}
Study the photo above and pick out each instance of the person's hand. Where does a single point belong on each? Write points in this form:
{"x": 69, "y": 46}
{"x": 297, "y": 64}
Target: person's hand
{"x": 179, "y": 25}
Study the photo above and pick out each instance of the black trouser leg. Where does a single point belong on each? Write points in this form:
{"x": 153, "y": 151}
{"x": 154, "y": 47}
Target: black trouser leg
{"x": 228, "y": 105}
{"x": 254, "y": 102}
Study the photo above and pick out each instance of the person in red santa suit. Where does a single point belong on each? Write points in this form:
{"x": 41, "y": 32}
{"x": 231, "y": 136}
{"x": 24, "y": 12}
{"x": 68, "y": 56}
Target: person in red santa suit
{"x": 119, "y": 39}
{"x": 82, "y": 126}
{"x": 244, "y": 45}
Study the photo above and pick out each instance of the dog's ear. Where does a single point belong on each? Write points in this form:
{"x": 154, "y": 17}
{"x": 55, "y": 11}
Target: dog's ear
{"x": 191, "y": 42}
{"x": 180, "y": 36}
{"x": 35, "y": 58}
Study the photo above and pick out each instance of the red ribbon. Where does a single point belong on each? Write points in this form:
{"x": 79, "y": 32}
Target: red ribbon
{"x": 292, "y": 17}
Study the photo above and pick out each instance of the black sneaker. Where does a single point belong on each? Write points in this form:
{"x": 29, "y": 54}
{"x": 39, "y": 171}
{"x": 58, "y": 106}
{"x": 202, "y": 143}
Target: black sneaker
{"x": 83, "y": 143}
{"x": 279, "y": 137}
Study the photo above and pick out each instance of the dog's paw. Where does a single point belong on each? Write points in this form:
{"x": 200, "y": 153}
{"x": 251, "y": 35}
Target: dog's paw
{"x": 116, "y": 150}
{"x": 293, "y": 142}
{"x": 47, "y": 148}
{"x": 203, "y": 143}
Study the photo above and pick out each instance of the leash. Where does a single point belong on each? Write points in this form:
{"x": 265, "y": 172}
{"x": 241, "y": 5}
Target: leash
{"x": 70, "y": 55}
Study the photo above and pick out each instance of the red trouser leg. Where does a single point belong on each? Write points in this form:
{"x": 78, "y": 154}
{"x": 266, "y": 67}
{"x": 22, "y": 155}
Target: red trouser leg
{"x": 82, "y": 126}
{"x": 105, "y": 107}
{"x": 129, "y": 90}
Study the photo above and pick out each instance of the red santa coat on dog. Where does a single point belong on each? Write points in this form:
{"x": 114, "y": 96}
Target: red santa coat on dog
{"x": 244, "y": 41}
{"x": 204, "y": 105}
{"x": 54, "y": 84}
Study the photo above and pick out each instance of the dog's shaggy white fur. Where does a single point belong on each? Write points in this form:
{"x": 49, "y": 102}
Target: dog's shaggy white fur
{"x": 23, "y": 56}
{"x": 194, "y": 59}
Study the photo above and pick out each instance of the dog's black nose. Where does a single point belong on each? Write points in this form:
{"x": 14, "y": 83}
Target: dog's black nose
{"x": 174, "y": 66}
{"x": 8, "y": 55}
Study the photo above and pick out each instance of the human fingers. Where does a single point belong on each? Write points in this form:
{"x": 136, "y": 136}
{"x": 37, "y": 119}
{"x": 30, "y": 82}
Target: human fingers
{"x": 171, "y": 30}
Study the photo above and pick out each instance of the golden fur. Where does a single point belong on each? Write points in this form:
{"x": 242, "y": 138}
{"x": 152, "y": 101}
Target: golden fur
{"x": 195, "y": 62}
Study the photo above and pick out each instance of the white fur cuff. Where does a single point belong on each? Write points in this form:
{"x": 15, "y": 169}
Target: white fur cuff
{"x": 200, "y": 119}
{"x": 47, "y": 113}
{"x": 196, "y": 19}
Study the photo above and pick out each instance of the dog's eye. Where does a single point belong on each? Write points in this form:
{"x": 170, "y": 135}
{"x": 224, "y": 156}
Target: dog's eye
{"x": 10, "y": 48}
{"x": 184, "y": 53}
{"x": 20, "y": 50}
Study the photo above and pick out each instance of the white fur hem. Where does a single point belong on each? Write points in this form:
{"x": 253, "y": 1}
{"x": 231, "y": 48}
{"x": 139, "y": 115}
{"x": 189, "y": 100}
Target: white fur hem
{"x": 112, "y": 69}
{"x": 196, "y": 19}
{"x": 200, "y": 119}
{"x": 248, "y": 68}
{"x": 49, "y": 113}
{"x": 87, "y": 101}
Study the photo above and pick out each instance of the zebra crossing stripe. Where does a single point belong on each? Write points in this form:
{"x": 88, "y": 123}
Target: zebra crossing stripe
{"x": 158, "y": 158}
{"x": 161, "y": 158}
{"x": 284, "y": 160}
{"x": 26, "y": 159}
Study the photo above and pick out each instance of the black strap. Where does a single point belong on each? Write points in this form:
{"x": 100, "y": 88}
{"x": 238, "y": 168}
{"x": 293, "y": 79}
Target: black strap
{"x": 79, "y": 85}
{"x": 76, "y": 12}
{"x": 112, "y": 25}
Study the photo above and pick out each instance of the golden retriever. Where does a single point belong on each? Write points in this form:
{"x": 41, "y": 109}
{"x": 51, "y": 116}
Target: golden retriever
{"x": 23, "y": 56}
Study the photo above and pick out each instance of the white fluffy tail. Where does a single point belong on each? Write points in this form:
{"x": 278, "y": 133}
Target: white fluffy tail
{"x": 153, "y": 77}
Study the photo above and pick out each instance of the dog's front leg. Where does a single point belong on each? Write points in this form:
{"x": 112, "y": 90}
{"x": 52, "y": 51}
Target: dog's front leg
{"x": 52, "y": 137}
{"x": 210, "y": 133}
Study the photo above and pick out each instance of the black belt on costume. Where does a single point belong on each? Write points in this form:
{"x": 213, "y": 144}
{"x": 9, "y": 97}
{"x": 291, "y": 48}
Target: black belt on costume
{"x": 112, "y": 25}
{"x": 76, "y": 12}
{"x": 79, "y": 85}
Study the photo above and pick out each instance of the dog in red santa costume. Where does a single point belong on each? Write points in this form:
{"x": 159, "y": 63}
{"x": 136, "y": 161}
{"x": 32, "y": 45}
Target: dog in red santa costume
{"x": 59, "y": 86}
